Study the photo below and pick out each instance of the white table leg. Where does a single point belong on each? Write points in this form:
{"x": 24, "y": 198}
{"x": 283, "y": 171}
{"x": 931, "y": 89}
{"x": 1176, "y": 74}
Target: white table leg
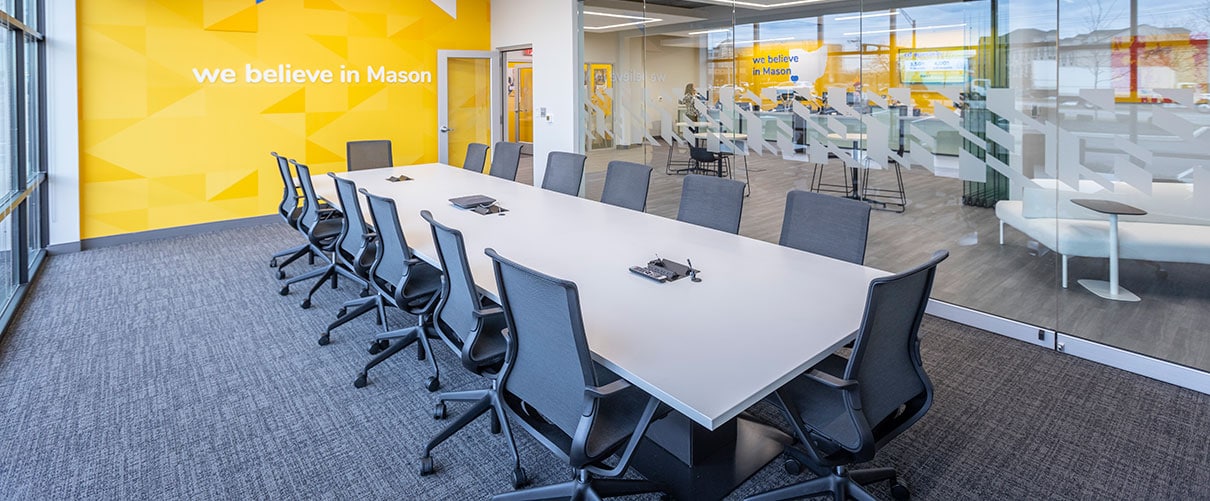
{"x": 1114, "y": 288}
{"x": 1111, "y": 289}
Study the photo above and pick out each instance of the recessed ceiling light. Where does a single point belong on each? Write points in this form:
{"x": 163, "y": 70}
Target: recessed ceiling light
{"x": 863, "y": 16}
{"x": 640, "y": 20}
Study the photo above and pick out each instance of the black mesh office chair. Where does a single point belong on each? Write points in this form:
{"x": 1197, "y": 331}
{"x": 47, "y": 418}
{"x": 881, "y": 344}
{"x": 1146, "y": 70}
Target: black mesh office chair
{"x": 356, "y": 251}
{"x": 626, "y": 185}
{"x": 289, "y": 209}
{"x": 322, "y": 229}
{"x": 579, "y": 410}
{"x": 472, "y": 326}
{"x": 830, "y": 226}
{"x": 349, "y": 251}
{"x": 369, "y": 154}
{"x": 704, "y": 160}
{"x": 403, "y": 281}
{"x": 506, "y": 159}
{"x": 564, "y": 172}
{"x": 712, "y": 202}
{"x": 476, "y": 157}
{"x": 843, "y": 411}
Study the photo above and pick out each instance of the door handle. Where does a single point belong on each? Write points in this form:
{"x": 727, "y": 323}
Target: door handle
{"x": 444, "y": 129}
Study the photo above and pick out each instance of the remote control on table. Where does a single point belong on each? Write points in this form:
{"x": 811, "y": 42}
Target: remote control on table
{"x": 646, "y": 272}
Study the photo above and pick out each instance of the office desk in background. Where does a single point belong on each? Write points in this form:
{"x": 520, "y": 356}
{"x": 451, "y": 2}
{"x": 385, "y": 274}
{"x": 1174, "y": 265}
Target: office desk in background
{"x": 761, "y": 315}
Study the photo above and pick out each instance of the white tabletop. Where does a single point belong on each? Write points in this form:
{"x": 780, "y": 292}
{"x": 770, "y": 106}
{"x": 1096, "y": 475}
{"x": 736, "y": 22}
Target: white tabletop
{"x": 730, "y": 136}
{"x": 761, "y": 315}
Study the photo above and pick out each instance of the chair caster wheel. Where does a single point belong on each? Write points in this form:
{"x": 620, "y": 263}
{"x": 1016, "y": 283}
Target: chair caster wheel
{"x": 519, "y": 478}
{"x": 306, "y": 304}
{"x": 285, "y": 290}
{"x": 360, "y": 382}
{"x": 273, "y": 263}
{"x": 341, "y": 312}
{"x": 900, "y": 492}
{"x": 377, "y": 346}
{"x": 433, "y": 384}
{"x": 281, "y": 275}
{"x": 324, "y": 340}
{"x": 792, "y": 466}
{"x": 439, "y": 411}
{"x": 426, "y": 466}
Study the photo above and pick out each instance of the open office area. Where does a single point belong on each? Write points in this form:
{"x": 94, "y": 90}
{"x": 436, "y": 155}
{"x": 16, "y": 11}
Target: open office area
{"x": 646, "y": 249}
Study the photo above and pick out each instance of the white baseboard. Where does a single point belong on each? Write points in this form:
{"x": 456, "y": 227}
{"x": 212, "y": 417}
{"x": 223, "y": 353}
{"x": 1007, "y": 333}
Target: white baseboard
{"x": 1143, "y": 365}
{"x": 1162, "y": 370}
{"x": 1017, "y": 330}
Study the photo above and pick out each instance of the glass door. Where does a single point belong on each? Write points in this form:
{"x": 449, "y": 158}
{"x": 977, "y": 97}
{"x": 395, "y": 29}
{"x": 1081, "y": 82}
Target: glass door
{"x": 599, "y": 82}
{"x": 463, "y": 102}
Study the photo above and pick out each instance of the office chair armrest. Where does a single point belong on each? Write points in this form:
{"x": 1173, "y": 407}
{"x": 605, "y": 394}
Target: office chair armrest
{"x": 607, "y": 390}
{"x": 487, "y": 312}
{"x": 829, "y": 380}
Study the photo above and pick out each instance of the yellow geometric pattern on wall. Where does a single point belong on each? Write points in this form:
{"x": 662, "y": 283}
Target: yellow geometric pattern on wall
{"x": 159, "y": 149}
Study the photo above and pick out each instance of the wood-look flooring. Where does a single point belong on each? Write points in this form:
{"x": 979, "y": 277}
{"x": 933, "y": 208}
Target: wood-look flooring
{"x": 1018, "y": 280}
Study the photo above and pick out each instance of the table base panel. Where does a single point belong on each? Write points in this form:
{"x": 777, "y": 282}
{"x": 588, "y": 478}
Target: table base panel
{"x": 1103, "y": 289}
{"x": 696, "y": 463}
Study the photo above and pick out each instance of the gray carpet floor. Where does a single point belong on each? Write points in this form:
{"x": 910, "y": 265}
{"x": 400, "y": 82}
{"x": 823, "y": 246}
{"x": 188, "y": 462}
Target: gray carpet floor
{"x": 173, "y": 369}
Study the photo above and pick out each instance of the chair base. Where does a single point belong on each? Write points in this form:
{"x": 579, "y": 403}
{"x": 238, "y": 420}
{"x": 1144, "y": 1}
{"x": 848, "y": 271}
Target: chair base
{"x": 584, "y": 487}
{"x": 360, "y": 307}
{"x": 294, "y": 253}
{"x": 485, "y": 401}
{"x": 400, "y": 339}
{"x": 841, "y": 483}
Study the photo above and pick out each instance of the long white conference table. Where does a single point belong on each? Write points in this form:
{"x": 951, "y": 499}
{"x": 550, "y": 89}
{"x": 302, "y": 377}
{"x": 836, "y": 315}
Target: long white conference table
{"x": 761, "y": 315}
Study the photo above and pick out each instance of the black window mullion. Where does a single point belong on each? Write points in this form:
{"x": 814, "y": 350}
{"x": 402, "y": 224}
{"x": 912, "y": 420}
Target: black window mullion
{"x": 17, "y": 221}
{"x": 43, "y": 228}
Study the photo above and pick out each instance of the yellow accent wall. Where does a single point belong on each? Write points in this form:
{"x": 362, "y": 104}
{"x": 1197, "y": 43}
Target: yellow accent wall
{"x": 160, "y": 149}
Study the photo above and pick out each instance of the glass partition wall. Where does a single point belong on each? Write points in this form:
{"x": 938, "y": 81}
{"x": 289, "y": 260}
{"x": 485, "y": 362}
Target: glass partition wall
{"x": 1025, "y": 136}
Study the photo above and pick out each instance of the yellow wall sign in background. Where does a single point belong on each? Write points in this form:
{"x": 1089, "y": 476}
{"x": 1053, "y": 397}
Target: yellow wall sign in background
{"x": 182, "y": 101}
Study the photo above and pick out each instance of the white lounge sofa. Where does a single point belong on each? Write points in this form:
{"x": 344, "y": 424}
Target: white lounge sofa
{"x": 1172, "y": 231}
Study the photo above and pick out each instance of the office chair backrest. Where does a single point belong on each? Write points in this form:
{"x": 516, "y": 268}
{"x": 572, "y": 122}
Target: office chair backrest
{"x": 829, "y": 226}
{"x": 476, "y": 157}
{"x": 353, "y": 236}
{"x": 702, "y": 154}
{"x": 712, "y": 202}
{"x": 310, "y": 207}
{"x": 564, "y": 172}
{"x": 459, "y": 299}
{"x": 390, "y": 269}
{"x": 886, "y": 356}
{"x": 289, "y": 196}
{"x": 626, "y": 185}
{"x": 506, "y": 157}
{"x": 370, "y": 154}
{"x": 550, "y": 363}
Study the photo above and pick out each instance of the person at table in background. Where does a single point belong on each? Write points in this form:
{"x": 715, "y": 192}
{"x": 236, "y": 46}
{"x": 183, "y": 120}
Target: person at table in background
{"x": 689, "y": 102}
